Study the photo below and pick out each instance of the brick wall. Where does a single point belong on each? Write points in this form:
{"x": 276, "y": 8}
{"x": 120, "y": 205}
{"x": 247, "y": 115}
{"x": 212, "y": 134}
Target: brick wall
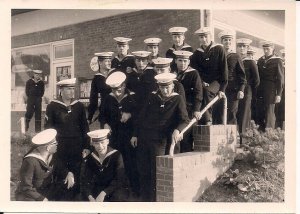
{"x": 97, "y": 35}
{"x": 184, "y": 177}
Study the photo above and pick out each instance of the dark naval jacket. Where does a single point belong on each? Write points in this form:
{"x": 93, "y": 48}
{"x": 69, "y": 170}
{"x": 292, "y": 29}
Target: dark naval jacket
{"x": 123, "y": 65}
{"x": 271, "y": 78}
{"x": 35, "y": 89}
{"x": 236, "y": 73}
{"x": 98, "y": 89}
{"x": 108, "y": 176}
{"x": 192, "y": 84}
{"x": 211, "y": 64}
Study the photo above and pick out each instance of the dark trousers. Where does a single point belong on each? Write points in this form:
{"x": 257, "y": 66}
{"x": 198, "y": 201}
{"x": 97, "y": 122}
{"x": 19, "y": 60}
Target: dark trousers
{"x": 147, "y": 151}
{"x": 187, "y": 143}
{"x": 34, "y": 105}
{"x": 265, "y": 114}
{"x": 69, "y": 152}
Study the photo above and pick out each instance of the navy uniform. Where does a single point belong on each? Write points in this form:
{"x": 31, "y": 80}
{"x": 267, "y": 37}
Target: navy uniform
{"x": 192, "y": 84}
{"x": 250, "y": 55}
{"x": 211, "y": 62}
{"x": 34, "y": 91}
{"x": 158, "y": 119}
{"x": 162, "y": 65}
{"x": 71, "y": 125}
{"x": 270, "y": 70}
{"x": 236, "y": 82}
{"x": 123, "y": 64}
{"x": 41, "y": 179}
{"x": 280, "y": 107}
{"x": 142, "y": 83}
{"x": 152, "y": 43}
{"x": 98, "y": 87}
{"x": 252, "y": 76}
{"x": 112, "y": 114}
{"x": 104, "y": 176}
{"x": 183, "y": 47}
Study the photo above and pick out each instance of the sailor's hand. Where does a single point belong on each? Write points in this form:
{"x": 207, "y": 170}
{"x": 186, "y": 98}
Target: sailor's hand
{"x": 101, "y": 196}
{"x": 125, "y": 116}
{"x": 133, "y": 142}
{"x": 85, "y": 153}
{"x": 197, "y": 115}
{"x": 221, "y": 94}
{"x": 240, "y": 95}
{"x": 69, "y": 180}
{"x": 176, "y": 136}
{"x": 106, "y": 126}
{"x": 277, "y": 99}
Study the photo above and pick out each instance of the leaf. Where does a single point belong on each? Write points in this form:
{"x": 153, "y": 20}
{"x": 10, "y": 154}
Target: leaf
{"x": 242, "y": 188}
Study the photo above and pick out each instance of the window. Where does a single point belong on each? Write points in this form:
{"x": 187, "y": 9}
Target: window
{"x": 63, "y": 51}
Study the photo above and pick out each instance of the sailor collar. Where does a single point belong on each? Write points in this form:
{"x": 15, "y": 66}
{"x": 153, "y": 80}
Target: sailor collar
{"x": 62, "y": 103}
{"x": 109, "y": 153}
{"x": 209, "y": 47}
{"x": 159, "y": 95}
{"x": 120, "y": 60}
{"x": 125, "y": 95}
{"x": 145, "y": 69}
{"x": 185, "y": 45}
{"x": 272, "y": 57}
{"x": 247, "y": 58}
{"x": 189, "y": 69}
{"x": 37, "y": 157}
{"x": 35, "y": 81}
{"x": 108, "y": 73}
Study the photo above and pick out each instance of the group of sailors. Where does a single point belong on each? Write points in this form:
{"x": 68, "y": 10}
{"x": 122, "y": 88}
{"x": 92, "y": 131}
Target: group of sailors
{"x": 146, "y": 101}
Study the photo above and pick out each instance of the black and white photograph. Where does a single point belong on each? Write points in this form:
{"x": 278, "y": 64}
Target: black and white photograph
{"x": 142, "y": 105}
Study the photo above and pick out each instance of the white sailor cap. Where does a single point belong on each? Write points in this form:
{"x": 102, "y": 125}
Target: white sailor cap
{"x": 152, "y": 41}
{"x": 98, "y": 135}
{"x": 165, "y": 78}
{"x": 141, "y": 54}
{"x": 45, "y": 137}
{"x": 104, "y": 55}
{"x": 267, "y": 44}
{"x": 178, "y": 30}
{"x": 226, "y": 34}
{"x": 244, "y": 41}
{"x": 251, "y": 50}
{"x": 203, "y": 31}
{"x": 67, "y": 83}
{"x": 162, "y": 62}
{"x": 122, "y": 40}
{"x": 115, "y": 79}
{"x": 183, "y": 54}
{"x": 37, "y": 71}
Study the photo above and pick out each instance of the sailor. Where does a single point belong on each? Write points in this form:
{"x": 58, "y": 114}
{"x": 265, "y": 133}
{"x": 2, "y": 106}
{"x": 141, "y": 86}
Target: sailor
{"x": 210, "y": 60}
{"x": 162, "y": 65}
{"x": 118, "y": 114}
{"x": 104, "y": 176}
{"x": 270, "y": 68}
{"x": 123, "y": 61}
{"x": 68, "y": 117}
{"x": 141, "y": 80}
{"x": 153, "y": 47}
{"x": 236, "y": 79}
{"x": 162, "y": 118}
{"x": 251, "y": 52}
{"x": 192, "y": 83}
{"x": 252, "y": 76}
{"x": 280, "y": 107}
{"x": 40, "y": 171}
{"x": 99, "y": 89}
{"x": 179, "y": 44}
{"x": 34, "y": 90}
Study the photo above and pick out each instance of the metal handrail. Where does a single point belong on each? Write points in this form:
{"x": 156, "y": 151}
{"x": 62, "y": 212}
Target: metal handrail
{"x": 194, "y": 120}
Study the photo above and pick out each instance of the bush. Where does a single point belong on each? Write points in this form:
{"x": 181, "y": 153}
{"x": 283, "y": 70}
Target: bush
{"x": 264, "y": 153}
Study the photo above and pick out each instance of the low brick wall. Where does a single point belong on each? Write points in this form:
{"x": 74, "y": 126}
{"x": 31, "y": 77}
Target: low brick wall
{"x": 184, "y": 177}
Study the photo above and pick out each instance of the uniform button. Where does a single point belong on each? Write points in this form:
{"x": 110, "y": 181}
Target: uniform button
{"x": 207, "y": 59}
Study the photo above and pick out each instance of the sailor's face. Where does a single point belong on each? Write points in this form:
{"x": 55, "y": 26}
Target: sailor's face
{"x": 178, "y": 39}
{"x": 162, "y": 70}
{"x": 122, "y": 49}
{"x": 101, "y": 146}
{"x": 36, "y": 76}
{"x": 205, "y": 39}
{"x": 141, "y": 63}
{"x": 166, "y": 90}
{"x": 227, "y": 42}
{"x": 68, "y": 92}
{"x": 242, "y": 49}
{"x": 52, "y": 148}
{"x": 105, "y": 64}
{"x": 268, "y": 51}
{"x": 119, "y": 91}
{"x": 182, "y": 64}
{"x": 153, "y": 49}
